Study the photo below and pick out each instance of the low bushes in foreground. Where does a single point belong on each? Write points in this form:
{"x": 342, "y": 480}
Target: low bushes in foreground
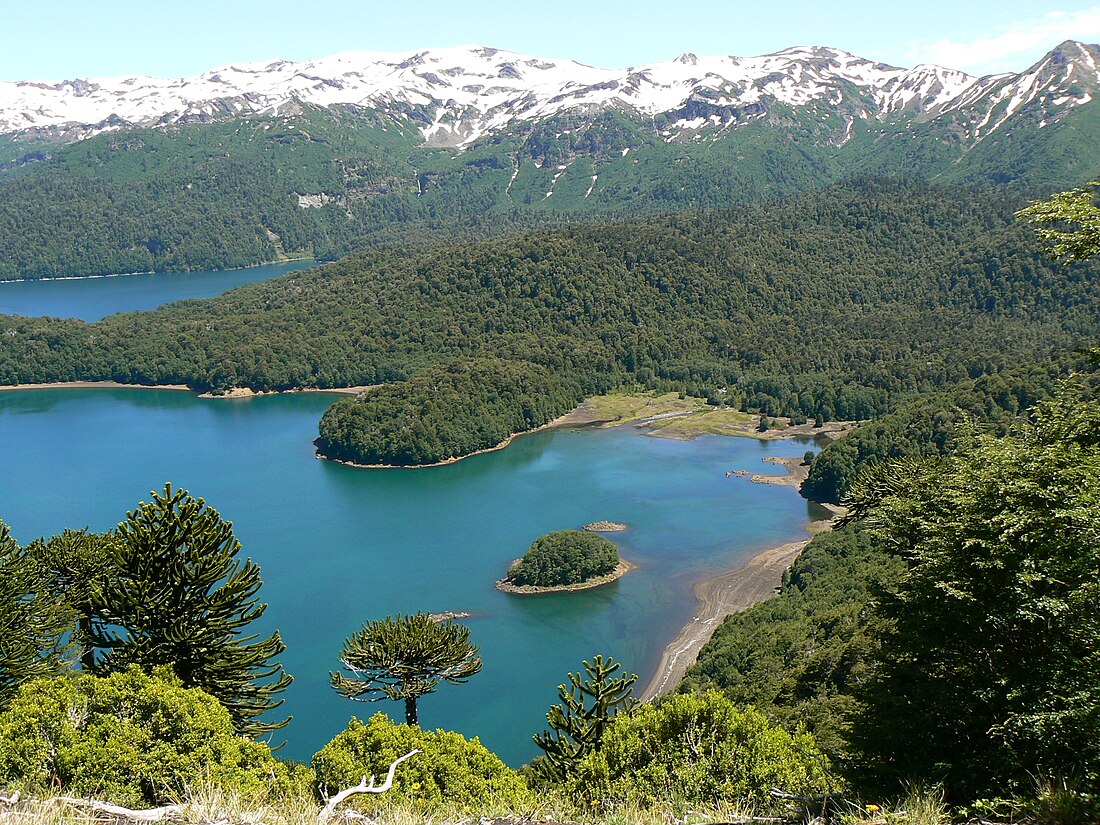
{"x": 451, "y": 770}
{"x": 133, "y": 739}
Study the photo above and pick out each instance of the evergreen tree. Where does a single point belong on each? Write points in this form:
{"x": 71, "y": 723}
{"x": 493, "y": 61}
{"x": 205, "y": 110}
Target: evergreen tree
{"x": 181, "y": 599}
{"x": 31, "y": 621}
{"x": 76, "y": 568}
{"x": 588, "y": 704}
{"x": 405, "y": 657}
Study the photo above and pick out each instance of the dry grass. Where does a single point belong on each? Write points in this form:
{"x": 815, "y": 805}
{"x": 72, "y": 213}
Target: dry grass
{"x": 212, "y": 806}
{"x": 708, "y": 422}
{"x": 623, "y": 408}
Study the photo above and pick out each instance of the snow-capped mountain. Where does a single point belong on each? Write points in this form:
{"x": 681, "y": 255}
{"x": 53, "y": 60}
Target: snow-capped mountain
{"x": 455, "y": 96}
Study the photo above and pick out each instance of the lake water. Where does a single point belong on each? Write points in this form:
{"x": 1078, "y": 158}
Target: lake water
{"x": 91, "y": 299}
{"x": 340, "y": 546}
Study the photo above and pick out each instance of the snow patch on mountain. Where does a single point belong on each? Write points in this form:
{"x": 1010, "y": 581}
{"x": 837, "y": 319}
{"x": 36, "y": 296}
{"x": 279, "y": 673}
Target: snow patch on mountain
{"x": 457, "y": 95}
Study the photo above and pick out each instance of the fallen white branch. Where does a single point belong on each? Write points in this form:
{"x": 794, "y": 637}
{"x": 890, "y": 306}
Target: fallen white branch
{"x": 149, "y": 815}
{"x": 10, "y": 800}
{"x": 363, "y": 787}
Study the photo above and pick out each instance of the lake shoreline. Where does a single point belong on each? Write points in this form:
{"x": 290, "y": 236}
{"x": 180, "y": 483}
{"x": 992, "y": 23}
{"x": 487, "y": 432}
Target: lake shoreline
{"x": 236, "y": 392}
{"x": 288, "y": 260}
{"x": 732, "y": 591}
{"x": 581, "y": 416}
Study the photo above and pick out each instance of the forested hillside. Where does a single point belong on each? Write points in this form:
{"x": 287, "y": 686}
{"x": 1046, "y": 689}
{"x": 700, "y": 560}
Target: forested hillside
{"x": 323, "y": 182}
{"x": 841, "y": 304}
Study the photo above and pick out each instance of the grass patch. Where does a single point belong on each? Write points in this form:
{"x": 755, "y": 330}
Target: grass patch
{"x": 625, "y": 407}
{"x": 709, "y": 422}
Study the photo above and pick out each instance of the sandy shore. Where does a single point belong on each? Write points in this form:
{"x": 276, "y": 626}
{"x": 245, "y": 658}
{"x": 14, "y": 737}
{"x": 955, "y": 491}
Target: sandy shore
{"x": 719, "y": 596}
{"x": 102, "y": 385}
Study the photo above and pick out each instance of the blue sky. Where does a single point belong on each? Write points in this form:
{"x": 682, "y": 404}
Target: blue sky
{"x": 58, "y": 39}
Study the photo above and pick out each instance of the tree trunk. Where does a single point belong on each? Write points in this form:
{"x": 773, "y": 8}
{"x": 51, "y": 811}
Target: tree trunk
{"x": 410, "y": 711}
{"x": 87, "y": 642}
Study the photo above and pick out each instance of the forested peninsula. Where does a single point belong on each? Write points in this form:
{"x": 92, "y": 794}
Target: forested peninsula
{"x": 847, "y": 303}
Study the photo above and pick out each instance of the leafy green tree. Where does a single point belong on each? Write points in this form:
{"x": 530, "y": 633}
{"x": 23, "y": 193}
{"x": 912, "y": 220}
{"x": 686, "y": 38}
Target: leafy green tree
{"x": 31, "y": 621}
{"x": 989, "y": 672}
{"x": 404, "y": 658}
{"x": 1078, "y": 216}
{"x": 180, "y": 598}
{"x": 450, "y": 769}
{"x": 698, "y": 749}
{"x": 588, "y": 704}
{"x": 76, "y": 568}
{"x": 132, "y": 738}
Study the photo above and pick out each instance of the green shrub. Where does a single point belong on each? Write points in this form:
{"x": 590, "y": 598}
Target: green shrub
{"x": 564, "y": 557}
{"x": 129, "y": 738}
{"x": 698, "y": 749}
{"x": 451, "y": 769}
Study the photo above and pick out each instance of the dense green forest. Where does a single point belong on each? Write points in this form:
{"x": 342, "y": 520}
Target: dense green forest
{"x": 933, "y": 423}
{"x": 317, "y": 182}
{"x": 444, "y": 412}
{"x": 842, "y": 304}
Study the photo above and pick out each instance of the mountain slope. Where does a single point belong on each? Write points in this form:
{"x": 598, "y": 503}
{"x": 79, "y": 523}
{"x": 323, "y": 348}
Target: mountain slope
{"x": 245, "y": 163}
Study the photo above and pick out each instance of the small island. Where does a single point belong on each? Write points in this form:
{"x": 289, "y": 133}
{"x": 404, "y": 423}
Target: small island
{"x": 565, "y": 560}
{"x": 605, "y": 527}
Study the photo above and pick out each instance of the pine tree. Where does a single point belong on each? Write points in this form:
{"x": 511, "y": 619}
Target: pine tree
{"x": 405, "y": 657}
{"x": 181, "y": 599}
{"x": 577, "y": 729}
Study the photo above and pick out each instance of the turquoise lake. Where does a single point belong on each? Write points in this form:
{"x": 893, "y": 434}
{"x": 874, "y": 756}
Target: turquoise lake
{"x": 340, "y": 546}
{"x": 91, "y": 299}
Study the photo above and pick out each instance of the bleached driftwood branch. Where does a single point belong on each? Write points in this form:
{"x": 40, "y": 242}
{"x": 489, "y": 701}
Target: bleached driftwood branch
{"x": 149, "y": 815}
{"x": 10, "y": 800}
{"x": 363, "y": 787}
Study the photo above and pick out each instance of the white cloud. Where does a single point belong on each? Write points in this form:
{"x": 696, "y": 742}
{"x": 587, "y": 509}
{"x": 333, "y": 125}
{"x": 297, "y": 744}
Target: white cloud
{"x": 1016, "y": 46}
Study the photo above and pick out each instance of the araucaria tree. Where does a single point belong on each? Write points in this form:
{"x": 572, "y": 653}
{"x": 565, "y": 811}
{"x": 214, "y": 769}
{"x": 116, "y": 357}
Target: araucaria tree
{"x": 180, "y": 598}
{"x": 405, "y": 657}
{"x": 75, "y": 568}
{"x": 32, "y": 622}
{"x": 989, "y": 673}
{"x": 588, "y": 704}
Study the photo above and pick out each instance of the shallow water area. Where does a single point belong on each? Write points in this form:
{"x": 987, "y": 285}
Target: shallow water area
{"x": 91, "y": 299}
{"x": 340, "y": 546}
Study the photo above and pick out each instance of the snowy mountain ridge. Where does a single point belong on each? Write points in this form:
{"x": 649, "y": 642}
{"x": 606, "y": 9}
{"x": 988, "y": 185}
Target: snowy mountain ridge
{"x": 456, "y": 95}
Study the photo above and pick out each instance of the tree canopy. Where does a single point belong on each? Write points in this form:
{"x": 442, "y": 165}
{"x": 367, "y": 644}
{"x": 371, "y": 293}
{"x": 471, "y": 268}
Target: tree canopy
{"x": 403, "y": 658}
{"x": 564, "y": 557}
{"x": 32, "y": 622}
{"x": 989, "y": 669}
{"x": 180, "y": 598}
{"x": 1069, "y": 223}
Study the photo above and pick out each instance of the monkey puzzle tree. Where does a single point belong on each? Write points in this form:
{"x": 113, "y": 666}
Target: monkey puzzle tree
{"x": 578, "y": 726}
{"x": 405, "y": 657}
{"x": 180, "y": 598}
{"x": 31, "y": 621}
{"x": 75, "y": 567}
